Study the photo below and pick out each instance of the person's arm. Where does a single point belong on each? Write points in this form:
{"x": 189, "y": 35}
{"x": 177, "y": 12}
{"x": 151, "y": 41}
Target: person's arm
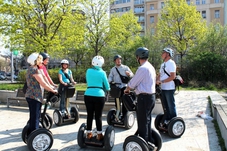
{"x": 50, "y": 80}
{"x": 46, "y": 86}
{"x": 129, "y": 72}
{"x": 60, "y": 79}
{"x": 71, "y": 78}
{"x": 170, "y": 78}
{"x": 44, "y": 77}
{"x": 110, "y": 77}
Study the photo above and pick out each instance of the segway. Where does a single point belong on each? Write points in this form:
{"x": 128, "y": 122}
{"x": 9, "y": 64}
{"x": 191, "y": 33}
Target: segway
{"x": 114, "y": 116}
{"x": 71, "y": 114}
{"x": 135, "y": 142}
{"x": 175, "y": 127}
{"x": 41, "y": 139}
{"x": 107, "y": 143}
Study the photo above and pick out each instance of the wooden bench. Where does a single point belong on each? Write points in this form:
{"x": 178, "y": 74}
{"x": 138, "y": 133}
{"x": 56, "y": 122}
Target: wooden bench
{"x": 80, "y": 96}
{"x": 19, "y": 97}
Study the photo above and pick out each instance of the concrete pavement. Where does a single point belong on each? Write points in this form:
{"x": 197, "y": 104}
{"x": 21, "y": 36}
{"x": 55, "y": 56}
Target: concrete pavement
{"x": 199, "y": 135}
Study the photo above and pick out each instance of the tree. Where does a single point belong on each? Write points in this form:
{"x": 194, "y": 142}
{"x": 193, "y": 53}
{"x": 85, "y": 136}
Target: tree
{"x": 105, "y": 30}
{"x": 126, "y": 35}
{"x": 215, "y": 40}
{"x": 180, "y": 26}
{"x": 34, "y": 24}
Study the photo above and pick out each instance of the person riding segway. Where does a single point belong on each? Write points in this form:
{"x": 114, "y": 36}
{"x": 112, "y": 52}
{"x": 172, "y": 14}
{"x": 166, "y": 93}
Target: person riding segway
{"x": 168, "y": 122}
{"x": 143, "y": 83}
{"x": 94, "y": 98}
{"x": 66, "y": 114}
{"x": 119, "y": 76}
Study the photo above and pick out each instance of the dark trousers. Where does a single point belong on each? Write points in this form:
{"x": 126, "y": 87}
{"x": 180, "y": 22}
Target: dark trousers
{"x": 145, "y": 105}
{"x": 123, "y": 109}
{"x": 94, "y": 105}
{"x": 34, "y": 114}
{"x": 168, "y": 102}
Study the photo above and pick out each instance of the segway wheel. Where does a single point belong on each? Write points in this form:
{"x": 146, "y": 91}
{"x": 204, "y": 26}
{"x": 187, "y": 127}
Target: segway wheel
{"x": 81, "y": 136}
{"x": 110, "y": 116}
{"x": 57, "y": 117}
{"x": 41, "y": 140}
{"x": 157, "y": 139}
{"x": 75, "y": 114}
{"x": 135, "y": 142}
{"x": 24, "y": 135}
{"x": 109, "y": 138}
{"x": 47, "y": 121}
{"x": 176, "y": 127}
{"x": 129, "y": 120}
{"x": 157, "y": 121}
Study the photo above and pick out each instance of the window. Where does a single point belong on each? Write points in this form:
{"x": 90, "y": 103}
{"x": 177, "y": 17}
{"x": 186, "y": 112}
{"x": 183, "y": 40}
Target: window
{"x": 217, "y": 14}
{"x": 152, "y": 31}
{"x": 197, "y": 2}
{"x": 216, "y": 1}
{"x": 152, "y": 7}
{"x": 162, "y": 4}
{"x": 204, "y": 14}
{"x": 188, "y": 2}
{"x": 203, "y": 1}
{"x": 151, "y": 19}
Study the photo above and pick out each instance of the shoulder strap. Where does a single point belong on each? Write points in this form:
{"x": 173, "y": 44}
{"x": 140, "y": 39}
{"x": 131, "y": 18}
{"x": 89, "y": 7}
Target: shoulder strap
{"x": 118, "y": 71}
{"x": 67, "y": 76}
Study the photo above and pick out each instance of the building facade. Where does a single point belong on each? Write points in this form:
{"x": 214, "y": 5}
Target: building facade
{"x": 148, "y": 11}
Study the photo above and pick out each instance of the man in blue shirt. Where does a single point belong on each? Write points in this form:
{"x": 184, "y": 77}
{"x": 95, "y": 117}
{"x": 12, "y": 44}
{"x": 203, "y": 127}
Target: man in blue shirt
{"x": 144, "y": 82}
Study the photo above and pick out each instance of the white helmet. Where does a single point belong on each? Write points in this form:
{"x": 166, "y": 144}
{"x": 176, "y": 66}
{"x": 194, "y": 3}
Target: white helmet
{"x": 98, "y": 61}
{"x": 169, "y": 50}
{"x": 64, "y": 61}
{"x": 32, "y": 58}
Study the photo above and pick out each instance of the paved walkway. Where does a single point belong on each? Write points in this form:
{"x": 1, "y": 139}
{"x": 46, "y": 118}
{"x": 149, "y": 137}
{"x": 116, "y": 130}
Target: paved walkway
{"x": 199, "y": 135}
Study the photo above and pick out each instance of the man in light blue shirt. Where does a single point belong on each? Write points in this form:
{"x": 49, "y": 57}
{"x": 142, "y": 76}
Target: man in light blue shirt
{"x": 143, "y": 83}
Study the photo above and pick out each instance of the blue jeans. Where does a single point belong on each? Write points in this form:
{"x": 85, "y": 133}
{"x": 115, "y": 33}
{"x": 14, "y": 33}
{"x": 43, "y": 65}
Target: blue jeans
{"x": 63, "y": 100}
{"x": 145, "y": 105}
{"x": 35, "y": 111}
{"x": 168, "y": 102}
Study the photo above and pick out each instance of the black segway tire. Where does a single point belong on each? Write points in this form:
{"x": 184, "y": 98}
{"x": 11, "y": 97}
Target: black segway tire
{"x": 135, "y": 142}
{"x": 129, "y": 120}
{"x": 47, "y": 121}
{"x": 157, "y": 139}
{"x": 57, "y": 117}
{"x": 81, "y": 136}
{"x": 24, "y": 135}
{"x": 109, "y": 138}
{"x": 110, "y": 116}
{"x": 40, "y": 139}
{"x": 157, "y": 121}
{"x": 75, "y": 114}
{"x": 176, "y": 127}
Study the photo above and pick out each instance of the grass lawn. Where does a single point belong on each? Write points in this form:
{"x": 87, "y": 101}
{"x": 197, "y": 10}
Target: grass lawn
{"x": 14, "y": 86}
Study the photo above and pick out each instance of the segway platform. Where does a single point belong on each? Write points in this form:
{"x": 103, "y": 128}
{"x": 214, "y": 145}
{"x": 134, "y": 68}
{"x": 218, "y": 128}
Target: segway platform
{"x": 107, "y": 143}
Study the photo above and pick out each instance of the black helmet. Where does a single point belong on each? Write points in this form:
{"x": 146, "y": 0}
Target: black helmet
{"x": 116, "y": 57}
{"x": 45, "y": 55}
{"x": 129, "y": 101}
{"x": 142, "y": 52}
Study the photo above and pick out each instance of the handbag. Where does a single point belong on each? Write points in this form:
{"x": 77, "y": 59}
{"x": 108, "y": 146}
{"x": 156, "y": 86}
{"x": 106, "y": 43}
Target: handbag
{"x": 25, "y": 87}
{"x": 124, "y": 79}
{"x": 177, "y": 81}
{"x": 115, "y": 91}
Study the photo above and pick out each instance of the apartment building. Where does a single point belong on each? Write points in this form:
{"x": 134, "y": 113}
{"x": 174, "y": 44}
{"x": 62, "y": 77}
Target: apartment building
{"x": 148, "y": 11}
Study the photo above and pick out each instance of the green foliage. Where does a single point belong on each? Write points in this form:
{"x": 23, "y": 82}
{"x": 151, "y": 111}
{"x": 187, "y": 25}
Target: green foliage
{"x": 34, "y": 25}
{"x": 215, "y": 40}
{"x": 206, "y": 67}
{"x": 180, "y": 25}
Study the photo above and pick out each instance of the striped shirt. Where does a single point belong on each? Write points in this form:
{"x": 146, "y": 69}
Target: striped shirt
{"x": 144, "y": 80}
